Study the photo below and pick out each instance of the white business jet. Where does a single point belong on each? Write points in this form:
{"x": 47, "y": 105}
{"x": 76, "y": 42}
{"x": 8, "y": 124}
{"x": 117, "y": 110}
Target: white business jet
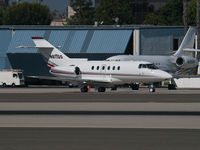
{"x": 98, "y": 73}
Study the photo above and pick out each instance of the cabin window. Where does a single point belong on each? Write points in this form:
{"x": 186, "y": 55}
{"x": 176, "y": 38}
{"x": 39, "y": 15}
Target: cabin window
{"x": 140, "y": 66}
{"x": 103, "y": 67}
{"x": 14, "y": 75}
{"x": 97, "y": 67}
{"x": 113, "y": 67}
{"x": 118, "y": 68}
{"x": 92, "y": 68}
{"x": 108, "y": 67}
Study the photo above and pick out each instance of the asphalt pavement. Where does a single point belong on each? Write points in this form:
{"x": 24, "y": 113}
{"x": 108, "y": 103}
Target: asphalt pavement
{"x": 98, "y": 139}
{"x": 63, "y": 118}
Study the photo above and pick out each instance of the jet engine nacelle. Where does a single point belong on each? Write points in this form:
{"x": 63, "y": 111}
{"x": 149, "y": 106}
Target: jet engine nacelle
{"x": 69, "y": 70}
{"x": 186, "y": 62}
{"x": 73, "y": 69}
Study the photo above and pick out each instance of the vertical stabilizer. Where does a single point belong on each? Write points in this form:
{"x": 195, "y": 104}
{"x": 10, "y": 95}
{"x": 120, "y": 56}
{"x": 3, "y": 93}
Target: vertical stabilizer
{"x": 188, "y": 41}
{"x": 52, "y": 55}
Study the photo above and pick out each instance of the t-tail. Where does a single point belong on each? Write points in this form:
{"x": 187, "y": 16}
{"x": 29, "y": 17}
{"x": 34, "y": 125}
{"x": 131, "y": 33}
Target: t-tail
{"x": 52, "y": 55}
{"x": 188, "y": 41}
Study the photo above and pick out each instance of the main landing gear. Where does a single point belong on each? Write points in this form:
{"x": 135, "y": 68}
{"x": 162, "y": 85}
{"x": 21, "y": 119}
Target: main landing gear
{"x": 135, "y": 86}
{"x": 101, "y": 89}
{"x": 113, "y": 88}
{"x": 84, "y": 89}
{"x": 152, "y": 89}
{"x": 171, "y": 87}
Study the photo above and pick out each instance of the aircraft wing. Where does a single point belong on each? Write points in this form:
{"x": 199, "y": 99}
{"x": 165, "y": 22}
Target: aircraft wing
{"x": 97, "y": 80}
{"x": 79, "y": 81}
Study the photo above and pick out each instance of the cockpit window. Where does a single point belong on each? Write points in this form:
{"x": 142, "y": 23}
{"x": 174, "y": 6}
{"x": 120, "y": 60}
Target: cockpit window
{"x": 152, "y": 66}
{"x": 149, "y": 66}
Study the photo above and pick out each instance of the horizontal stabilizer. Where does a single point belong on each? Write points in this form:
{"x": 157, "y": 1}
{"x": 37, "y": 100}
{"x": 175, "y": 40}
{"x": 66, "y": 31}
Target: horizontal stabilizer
{"x": 192, "y": 50}
{"x": 35, "y": 47}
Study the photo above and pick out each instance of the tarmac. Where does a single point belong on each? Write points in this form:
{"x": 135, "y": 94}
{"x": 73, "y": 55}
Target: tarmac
{"x": 63, "y": 118}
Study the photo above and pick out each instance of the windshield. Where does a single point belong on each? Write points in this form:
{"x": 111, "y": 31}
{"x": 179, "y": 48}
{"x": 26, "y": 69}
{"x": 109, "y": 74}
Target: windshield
{"x": 149, "y": 66}
{"x": 20, "y": 75}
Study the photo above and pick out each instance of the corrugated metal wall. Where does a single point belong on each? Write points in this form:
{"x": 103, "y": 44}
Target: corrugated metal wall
{"x": 109, "y": 41}
{"x": 74, "y": 41}
{"x": 23, "y": 38}
{"x": 5, "y": 37}
{"x": 158, "y": 41}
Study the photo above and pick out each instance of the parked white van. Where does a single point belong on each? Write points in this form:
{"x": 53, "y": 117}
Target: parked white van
{"x": 11, "y": 77}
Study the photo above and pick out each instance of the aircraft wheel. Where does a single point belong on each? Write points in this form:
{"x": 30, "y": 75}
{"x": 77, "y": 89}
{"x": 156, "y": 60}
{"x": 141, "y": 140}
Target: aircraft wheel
{"x": 4, "y": 84}
{"x": 101, "y": 89}
{"x": 152, "y": 89}
{"x": 171, "y": 87}
{"x": 13, "y": 85}
{"x": 135, "y": 86}
{"x": 84, "y": 89}
{"x": 114, "y": 88}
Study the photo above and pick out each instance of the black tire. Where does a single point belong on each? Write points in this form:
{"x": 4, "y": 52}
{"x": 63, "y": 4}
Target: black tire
{"x": 101, "y": 89}
{"x": 13, "y": 85}
{"x": 135, "y": 86}
{"x": 171, "y": 87}
{"x": 4, "y": 85}
{"x": 114, "y": 88}
{"x": 84, "y": 89}
{"x": 152, "y": 90}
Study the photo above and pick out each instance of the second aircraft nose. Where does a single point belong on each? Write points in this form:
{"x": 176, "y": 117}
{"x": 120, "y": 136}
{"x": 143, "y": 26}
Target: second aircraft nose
{"x": 166, "y": 75}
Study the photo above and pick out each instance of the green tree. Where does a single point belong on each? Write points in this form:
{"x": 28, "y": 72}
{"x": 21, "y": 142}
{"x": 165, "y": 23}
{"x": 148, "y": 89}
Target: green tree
{"x": 27, "y": 14}
{"x": 114, "y": 12}
{"x": 141, "y": 10}
{"x": 84, "y": 12}
{"x": 185, "y": 15}
{"x": 171, "y": 13}
{"x": 4, "y": 4}
{"x": 1, "y": 15}
{"x": 192, "y": 12}
{"x": 154, "y": 19}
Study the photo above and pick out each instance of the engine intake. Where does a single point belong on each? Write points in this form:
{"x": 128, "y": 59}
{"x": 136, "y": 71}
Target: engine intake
{"x": 77, "y": 70}
{"x": 179, "y": 61}
{"x": 186, "y": 62}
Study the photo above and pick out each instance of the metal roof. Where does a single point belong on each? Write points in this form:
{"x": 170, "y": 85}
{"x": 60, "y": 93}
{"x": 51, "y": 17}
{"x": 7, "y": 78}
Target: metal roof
{"x": 82, "y": 27}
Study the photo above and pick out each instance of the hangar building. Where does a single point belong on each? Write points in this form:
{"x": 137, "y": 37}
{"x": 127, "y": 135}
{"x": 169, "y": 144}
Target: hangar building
{"x": 94, "y": 43}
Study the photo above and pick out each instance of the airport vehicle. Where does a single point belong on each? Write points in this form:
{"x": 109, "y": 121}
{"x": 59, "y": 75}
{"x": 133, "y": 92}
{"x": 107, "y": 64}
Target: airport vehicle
{"x": 11, "y": 78}
{"x": 175, "y": 64}
{"x": 97, "y": 73}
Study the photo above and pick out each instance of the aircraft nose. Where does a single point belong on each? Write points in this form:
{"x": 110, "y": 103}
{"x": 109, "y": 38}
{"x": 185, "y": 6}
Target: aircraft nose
{"x": 166, "y": 75}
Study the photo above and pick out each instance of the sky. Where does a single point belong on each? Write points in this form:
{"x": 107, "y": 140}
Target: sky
{"x": 59, "y": 5}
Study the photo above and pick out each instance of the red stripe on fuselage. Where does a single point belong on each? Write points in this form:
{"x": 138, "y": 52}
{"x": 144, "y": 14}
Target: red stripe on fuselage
{"x": 50, "y": 65}
{"x": 92, "y": 73}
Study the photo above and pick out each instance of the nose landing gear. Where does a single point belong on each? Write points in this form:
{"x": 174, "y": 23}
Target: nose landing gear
{"x": 152, "y": 89}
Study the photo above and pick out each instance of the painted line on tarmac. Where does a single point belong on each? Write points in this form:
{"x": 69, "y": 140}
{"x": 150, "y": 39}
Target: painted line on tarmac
{"x": 158, "y": 113}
